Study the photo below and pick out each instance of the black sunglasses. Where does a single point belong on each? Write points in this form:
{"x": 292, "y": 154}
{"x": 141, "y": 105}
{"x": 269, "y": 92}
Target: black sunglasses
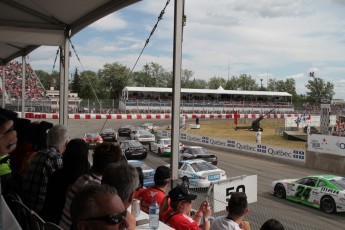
{"x": 112, "y": 218}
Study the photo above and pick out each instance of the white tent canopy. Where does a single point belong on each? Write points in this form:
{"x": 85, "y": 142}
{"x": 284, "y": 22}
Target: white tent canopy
{"x": 26, "y": 25}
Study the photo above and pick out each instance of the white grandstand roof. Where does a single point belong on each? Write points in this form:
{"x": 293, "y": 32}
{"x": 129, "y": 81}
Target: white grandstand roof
{"x": 220, "y": 90}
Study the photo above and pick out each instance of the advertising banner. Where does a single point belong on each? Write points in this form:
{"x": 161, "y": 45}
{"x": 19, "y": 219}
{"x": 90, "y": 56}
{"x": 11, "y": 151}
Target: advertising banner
{"x": 326, "y": 144}
{"x": 272, "y": 151}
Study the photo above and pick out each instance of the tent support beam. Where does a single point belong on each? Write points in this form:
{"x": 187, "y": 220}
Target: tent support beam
{"x": 176, "y": 89}
{"x": 23, "y": 85}
{"x": 64, "y": 82}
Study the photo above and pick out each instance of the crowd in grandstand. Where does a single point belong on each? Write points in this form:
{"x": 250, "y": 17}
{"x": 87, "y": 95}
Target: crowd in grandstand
{"x": 34, "y": 90}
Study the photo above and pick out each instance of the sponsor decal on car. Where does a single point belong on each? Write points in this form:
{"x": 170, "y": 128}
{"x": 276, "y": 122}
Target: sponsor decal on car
{"x": 214, "y": 177}
{"x": 316, "y": 202}
{"x": 329, "y": 190}
{"x": 315, "y": 193}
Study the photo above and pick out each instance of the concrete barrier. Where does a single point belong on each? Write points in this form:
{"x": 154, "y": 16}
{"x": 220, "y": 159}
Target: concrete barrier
{"x": 326, "y": 161}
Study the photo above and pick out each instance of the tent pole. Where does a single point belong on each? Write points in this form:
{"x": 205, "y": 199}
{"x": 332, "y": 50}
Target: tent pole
{"x": 64, "y": 75}
{"x": 176, "y": 87}
{"x": 23, "y": 85}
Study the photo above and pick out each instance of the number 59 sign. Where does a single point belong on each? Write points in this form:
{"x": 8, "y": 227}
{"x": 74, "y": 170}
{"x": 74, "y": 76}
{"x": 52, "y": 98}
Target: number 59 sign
{"x": 223, "y": 189}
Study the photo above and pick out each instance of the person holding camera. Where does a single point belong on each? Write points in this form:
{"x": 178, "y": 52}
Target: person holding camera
{"x": 177, "y": 213}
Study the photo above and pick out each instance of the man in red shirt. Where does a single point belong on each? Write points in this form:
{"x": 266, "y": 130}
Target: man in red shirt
{"x": 157, "y": 192}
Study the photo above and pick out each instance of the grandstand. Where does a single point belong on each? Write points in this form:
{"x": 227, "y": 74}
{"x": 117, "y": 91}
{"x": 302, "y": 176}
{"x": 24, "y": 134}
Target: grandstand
{"x": 34, "y": 89}
{"x": 205, "y": 100}
{"x": 36, "y": 98}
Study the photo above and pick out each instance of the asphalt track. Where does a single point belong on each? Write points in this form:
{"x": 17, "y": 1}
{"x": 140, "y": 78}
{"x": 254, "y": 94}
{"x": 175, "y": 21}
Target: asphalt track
{"x": 292, "y": 215}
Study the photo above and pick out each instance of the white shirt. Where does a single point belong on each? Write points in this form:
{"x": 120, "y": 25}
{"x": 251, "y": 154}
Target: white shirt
{"x": 222, "y": 222}
{"x": 258, "y": 135}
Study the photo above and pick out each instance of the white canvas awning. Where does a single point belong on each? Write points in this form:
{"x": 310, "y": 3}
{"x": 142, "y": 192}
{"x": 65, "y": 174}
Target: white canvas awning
{"x": 26, "y": 25}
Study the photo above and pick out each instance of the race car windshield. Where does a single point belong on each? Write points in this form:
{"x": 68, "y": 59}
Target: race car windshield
{"x": 339, "y": 183}
{"x": 91, "y": 135}
{"x": 204, "y": 166}
{"x": 199, "y": 151}
{"x": 134, "y": 144}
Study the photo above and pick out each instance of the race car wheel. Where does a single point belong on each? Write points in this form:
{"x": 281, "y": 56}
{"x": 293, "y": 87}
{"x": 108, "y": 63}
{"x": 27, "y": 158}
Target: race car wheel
{"x": 159, "y": 151}
{"x": 328, "y": 204}
{"x": 279, "y": 191}
{"x": 185, "y": 182}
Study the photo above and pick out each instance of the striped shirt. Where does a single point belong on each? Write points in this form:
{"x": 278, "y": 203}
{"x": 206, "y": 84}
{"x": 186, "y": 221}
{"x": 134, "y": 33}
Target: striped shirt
{"x": 66, "y": 220}
{"x": 41, "y": 168}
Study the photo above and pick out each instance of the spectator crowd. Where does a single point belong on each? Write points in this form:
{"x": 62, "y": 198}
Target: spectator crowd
{"x": 52, "y": 176}
{"x": 34, "y": 90}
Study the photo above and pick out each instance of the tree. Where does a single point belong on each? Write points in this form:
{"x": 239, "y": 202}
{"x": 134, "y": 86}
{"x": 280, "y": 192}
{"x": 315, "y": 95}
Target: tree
{"x": 318, "y": 88}
{"x": 76, "y": 82}
{"x": 215, "y": 82}
{"x": 49, "y": 80}
{"x": 186, "y": 75}
{"x": 246, "y": 82}
{"x": 88, "y": 85}
{"x": 243, "y": 82}
{"x": 113, "y": 78}
{"x": 55, "y": 80}
{"x": 198, "y": 84}
{"x": 44, "y": 78}
{"x": 153, "y": 75}
{"x": 289, "y": 86}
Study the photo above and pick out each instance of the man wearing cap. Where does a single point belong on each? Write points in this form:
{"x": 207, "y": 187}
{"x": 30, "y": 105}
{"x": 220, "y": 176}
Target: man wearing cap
{"x": 177, "y": 213}
{"x": 157, "y": 192}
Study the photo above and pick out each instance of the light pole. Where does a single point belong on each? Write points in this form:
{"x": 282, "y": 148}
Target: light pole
{"x": 261, "y": 82}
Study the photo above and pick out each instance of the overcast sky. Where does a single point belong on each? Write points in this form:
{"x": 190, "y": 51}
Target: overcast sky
{"x": 264, "y": 38}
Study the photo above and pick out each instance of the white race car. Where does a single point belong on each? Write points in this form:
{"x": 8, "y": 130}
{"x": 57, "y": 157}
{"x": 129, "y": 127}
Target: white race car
{"x": 163, "y": 146}
{"x": 326, "y": 192}
{"x": 142, "y": 135}
{"x": 199, "y": 173}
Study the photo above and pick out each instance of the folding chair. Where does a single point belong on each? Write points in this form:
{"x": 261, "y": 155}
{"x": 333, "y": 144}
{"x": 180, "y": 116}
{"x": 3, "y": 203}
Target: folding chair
{"x": 51, "y": 226}
{"x": 22, "y": 214}
{"x": 37, "y": 222}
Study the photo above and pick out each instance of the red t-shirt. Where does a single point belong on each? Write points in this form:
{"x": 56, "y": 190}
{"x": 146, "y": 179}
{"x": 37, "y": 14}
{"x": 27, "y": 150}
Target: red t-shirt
{"x": 137, "y": 193}
{"x": 179, "y": 221}
{"x": 148, "y": 195}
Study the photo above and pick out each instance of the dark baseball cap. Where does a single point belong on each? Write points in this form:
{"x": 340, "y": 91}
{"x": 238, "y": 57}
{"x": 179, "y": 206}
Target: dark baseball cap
{"x": 180, "y": 193}
{"x": 162, "y": 173}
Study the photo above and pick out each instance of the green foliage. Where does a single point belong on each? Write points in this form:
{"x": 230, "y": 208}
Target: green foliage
{"x": 112, "y": 79}
{"x": 44, "y": 77}
{"x": 88, "y": 86}
{"x": 243, "y": 82}
{"x": 197, "y": 84}
{"x": 215, "y": 82}
{"x": 289, "y": 86}
{"x": 318, "y": 88}
{"x": 76, "y": 82}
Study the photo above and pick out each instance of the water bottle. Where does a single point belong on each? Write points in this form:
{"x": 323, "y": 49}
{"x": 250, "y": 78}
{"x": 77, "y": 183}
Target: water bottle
{"x": 154, "y": 215}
